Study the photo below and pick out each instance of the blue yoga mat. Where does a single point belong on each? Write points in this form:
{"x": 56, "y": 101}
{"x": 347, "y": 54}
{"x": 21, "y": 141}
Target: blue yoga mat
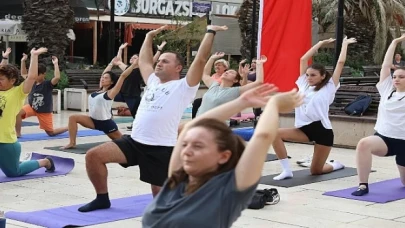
{"x": 245, "y": 133}
{"x": 123, "y": 208}
{"x": 44, "y": 136}
{"x": 28, "y": 124}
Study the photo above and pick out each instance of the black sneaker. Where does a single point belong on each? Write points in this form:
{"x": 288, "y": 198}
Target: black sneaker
{"x": 129, "y": 128}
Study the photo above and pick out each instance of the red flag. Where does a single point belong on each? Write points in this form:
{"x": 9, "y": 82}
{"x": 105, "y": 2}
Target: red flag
{"x": 284, "y": 37}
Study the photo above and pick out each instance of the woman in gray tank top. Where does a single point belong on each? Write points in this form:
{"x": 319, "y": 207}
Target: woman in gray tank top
{"x": 212, "y": 175}
{"x": 229, "y": 89}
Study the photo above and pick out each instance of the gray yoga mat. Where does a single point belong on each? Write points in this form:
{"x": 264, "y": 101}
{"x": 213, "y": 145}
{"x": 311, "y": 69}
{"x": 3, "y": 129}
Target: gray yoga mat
{"x": 303, "y": 177}
{"x": 80, "y": 148}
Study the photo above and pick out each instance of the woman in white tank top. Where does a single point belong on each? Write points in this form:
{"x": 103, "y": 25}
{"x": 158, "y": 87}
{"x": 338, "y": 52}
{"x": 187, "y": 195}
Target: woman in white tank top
{"x": 100, "y": 105}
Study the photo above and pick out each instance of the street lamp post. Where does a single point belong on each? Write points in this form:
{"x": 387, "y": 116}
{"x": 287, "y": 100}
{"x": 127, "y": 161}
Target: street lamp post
{"x": 111, "y": 37}
{"x": 253, "y": 41}
{"x": 339, "y": 31}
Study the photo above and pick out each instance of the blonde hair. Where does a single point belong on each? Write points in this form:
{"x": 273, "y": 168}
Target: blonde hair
{"x": 223, "y": 62}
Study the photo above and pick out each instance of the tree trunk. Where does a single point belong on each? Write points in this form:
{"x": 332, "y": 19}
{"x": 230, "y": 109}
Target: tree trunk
{"x": 46, "y": 23}
{"x": 245, "y": 24}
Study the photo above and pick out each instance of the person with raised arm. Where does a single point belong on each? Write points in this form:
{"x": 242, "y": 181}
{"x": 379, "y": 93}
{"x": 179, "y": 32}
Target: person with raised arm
{"x": 131, "y": 89}
{"x": 154, "y": 131}
{"x": 312, "y": 122}
{"x": 100, "y": 105}
{"x": 11, "y": 101}
{"x": 389, "y": 139}
{"x": 229, "y": 88}
{"x": 212, "y": 175}
{"x": 5, "y": 55}
{"x": 40, "y": 101}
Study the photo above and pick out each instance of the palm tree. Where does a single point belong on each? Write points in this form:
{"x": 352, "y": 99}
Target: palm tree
{"x": 245, "y": 24}
{"x": 372, "y": 22}
{"x": 46, "y": 24}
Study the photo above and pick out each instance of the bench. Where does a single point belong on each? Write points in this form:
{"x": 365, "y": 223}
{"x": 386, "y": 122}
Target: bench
{"x": 86, "y": 79}
{"x": 347, "y": 93}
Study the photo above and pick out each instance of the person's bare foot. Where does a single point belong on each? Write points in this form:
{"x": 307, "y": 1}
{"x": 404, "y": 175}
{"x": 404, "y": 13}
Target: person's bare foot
{"x": 69, "y": 146}
{"x": 18, "y": 135}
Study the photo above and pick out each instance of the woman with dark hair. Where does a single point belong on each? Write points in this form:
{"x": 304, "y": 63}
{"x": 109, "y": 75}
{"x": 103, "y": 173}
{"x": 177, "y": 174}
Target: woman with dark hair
{"x": 389, "y": 139}
{"x": 312, "y": 122}
{"x": 212, "y": 175}
{"x": 100, "y": 105}
{"x": 229, "y": 89}
{"x": 11, "y": 101}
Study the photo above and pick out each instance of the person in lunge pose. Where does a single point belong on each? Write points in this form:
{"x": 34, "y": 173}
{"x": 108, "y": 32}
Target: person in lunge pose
{"x": 212, "y": 175}
{"x": 100, "y": 105}
{"x": 11, "y": 101}
{"x": 312, "y": 122}
{"x": 40, "y": 101}
{"x": 389, "y": 139}
{"x": 154, "y": 131}
{"x": 220, "y": 93}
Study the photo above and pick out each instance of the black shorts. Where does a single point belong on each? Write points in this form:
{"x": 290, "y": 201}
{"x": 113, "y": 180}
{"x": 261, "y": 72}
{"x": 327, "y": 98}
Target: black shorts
{"x": 106, "y": 126}
{"x": 132, "y": 102}
{"x": 396, "y": 147}
{"x": 153, "y": 161}
{"x": 317, "y": 133}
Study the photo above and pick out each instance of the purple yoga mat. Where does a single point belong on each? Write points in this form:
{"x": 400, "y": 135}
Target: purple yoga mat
{"x": 123, "y": 208}
{"x": 63, "y": 166}
{"x": 380, "y": 192}
{"x": 44, "y": 136}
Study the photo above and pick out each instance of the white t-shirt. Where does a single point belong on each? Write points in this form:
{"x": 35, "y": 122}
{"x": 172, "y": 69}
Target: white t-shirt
{"x": 316, "y": 103}
{"x": 100, "y": 106}
{"x": 391, "y": 112}
{"x": 160, "y": 111}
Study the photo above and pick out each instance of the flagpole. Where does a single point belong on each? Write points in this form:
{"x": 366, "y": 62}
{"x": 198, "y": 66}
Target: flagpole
{"x": 339, "y": 31}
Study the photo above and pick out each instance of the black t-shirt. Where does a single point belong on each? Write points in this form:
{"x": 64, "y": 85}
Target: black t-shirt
{"x": 40, "y": 97}
{"x": 132, "y": 84}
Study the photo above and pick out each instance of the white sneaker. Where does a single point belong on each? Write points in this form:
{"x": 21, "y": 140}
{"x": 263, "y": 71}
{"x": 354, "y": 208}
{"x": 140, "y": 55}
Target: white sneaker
{"x": 26, "y": 157}
{"x": 307, "y": 159}
{"x": 305, "y": 164}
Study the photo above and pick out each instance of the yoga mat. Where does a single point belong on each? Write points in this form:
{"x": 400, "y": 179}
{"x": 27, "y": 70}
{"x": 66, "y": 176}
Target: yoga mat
{"x": 28, "y": 124}
{"x": 63, "y": 166}
{"x": 80, "y": 148}
{"x": 44, "y": 136}
{"x": 123, "y": 208}
{"x": 379, "y": 192}
{"x": 245, "y": 133}
{"x": 303, "y": 177}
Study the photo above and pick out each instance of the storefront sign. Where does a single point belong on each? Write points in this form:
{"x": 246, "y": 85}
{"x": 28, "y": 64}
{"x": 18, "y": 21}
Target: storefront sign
{"x": 121, "y": 7}
{"x": 178, "y": 8}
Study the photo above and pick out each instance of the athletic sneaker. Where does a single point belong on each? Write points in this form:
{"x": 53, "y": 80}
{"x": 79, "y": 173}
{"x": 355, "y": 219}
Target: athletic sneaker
{"x": 129, "y": 128}
{"x": 307, "y": 159}
{"x": 26, "y": 157}
{"x": 305, "y": 164}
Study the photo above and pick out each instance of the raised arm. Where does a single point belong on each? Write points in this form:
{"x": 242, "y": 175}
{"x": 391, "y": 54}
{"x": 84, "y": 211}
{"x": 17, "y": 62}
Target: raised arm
{"x": 109, "y": 67}
{"x": 240, "y": 71}
{"x": 249, "y": 168}
{"x": 259, "y": 75}
{"x": 33, "y": 70}
{"x": 341, "y": 61}
{"x": 389, "y": 58}
{"x": 120, "y": 64}
{"x": 5, "y": 55}
{"x": 207, "y": 79}
{"x": 24, "y": 71}
{"x": 311, "y": 52}
{"x": 159, "y": 51}
{"x": 146, "y": 54}
{"x": 116, "y": 89}
{"x": 56, "y": 74}
{"x": 195, "y": 72}
{"x": 258, "y": 97}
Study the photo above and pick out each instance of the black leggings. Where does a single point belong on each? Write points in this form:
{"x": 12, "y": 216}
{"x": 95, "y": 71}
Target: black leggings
{"x": 196, "y": 106}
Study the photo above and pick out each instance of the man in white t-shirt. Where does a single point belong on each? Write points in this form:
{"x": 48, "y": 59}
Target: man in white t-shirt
{"x": 154, "y": 132}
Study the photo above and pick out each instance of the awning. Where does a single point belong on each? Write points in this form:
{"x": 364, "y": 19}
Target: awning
{"x": 8, "y": 27}
{"x": 13, "y": 9}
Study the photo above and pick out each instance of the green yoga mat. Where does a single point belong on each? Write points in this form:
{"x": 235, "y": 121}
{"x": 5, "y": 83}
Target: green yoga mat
{"x": 80, "y": 148}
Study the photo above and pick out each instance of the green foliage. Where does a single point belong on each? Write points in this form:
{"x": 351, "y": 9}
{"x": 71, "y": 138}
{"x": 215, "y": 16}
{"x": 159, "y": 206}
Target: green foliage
{"x": 63, "y": 82}
{"x": 324, "y": 57}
